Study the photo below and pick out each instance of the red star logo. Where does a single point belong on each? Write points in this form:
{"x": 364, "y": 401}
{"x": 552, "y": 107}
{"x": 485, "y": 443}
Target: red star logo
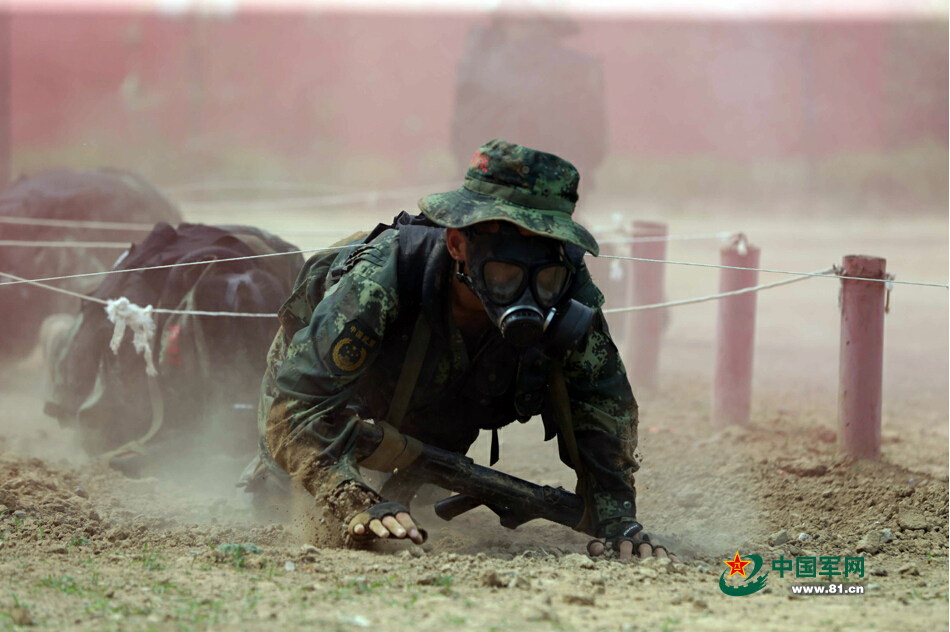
{"x": 480, "y": 162}
{"x": 737, "y": 565}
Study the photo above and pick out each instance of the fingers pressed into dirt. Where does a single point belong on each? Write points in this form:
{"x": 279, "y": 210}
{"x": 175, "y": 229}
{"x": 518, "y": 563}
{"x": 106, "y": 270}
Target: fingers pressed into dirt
{"x": 626, "y": 549}
{"x": 407, "y": 523}
{"x": 377, "y": 527}
{"x": 596, "y": 548}
{"x": 644, "y": 551}
{"x": 393, "y": 526}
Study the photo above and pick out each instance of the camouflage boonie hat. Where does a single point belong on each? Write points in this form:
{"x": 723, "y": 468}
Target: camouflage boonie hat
{"x": 511, "y": 183}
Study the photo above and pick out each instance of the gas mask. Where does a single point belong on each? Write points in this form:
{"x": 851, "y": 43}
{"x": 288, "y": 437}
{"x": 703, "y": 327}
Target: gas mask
{"x": 522, "y": 282}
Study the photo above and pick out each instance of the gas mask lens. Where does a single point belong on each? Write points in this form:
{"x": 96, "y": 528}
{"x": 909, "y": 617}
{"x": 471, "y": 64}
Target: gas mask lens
{"x": 549, "y": 284}
{"x": 519, "y": 279}
{"x": 504, "y": 280}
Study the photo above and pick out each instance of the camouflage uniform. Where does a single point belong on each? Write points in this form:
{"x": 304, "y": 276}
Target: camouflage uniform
{"x": 346, "y": 329}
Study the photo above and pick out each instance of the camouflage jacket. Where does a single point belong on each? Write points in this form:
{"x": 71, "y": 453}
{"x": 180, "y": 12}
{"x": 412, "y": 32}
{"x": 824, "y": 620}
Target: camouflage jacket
{"x": 343, "y": 340}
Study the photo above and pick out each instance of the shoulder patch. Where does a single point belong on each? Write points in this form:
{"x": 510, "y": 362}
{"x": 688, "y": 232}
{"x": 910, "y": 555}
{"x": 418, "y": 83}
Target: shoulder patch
{"x": 355, "y": 344}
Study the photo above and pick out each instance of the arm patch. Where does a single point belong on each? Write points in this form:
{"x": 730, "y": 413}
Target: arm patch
{"x": 350, "y": 350}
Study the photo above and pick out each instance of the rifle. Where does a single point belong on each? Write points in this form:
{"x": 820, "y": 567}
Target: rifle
{"x": 515, "y": 500}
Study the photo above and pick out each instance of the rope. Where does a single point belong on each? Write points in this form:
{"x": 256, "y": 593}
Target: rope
{"x": 226, "y": 185}
{"x": 312, "y": 250}
{"x": 315, "y": 201}
{"x": 637, "y": 240}
{"x": 84, "y": 297}
{"x": 69, "y": 223}
{"x": 72, "y": 223}
{"x": 66, "y": 223}
{"x": 712, "y": 297}
{"x": 816, "y": 274}
{"x": 20, "y": 280}
{"x": 65, "y": 244}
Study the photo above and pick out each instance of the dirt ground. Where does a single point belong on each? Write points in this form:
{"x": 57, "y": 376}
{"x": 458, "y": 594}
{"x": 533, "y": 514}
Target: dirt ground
{"x": 84, "y": 548}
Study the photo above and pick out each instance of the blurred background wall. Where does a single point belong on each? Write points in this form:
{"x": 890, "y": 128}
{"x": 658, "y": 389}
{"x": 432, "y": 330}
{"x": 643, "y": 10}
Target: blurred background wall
{"x": 694, "y": 107}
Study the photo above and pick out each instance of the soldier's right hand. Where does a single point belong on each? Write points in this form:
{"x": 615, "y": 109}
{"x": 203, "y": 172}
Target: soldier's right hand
{"x": 384, "y": 520}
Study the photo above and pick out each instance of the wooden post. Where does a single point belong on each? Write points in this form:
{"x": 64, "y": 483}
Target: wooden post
{"x": 646, "y": 328}
{"x": 861, "y": 364}
{"x": 6, "y": 96}
{"x": 735, "y": 340}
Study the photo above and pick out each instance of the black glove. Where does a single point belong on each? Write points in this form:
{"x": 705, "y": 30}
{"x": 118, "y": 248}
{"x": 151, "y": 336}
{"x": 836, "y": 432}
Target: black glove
{"x": 629, "y": 531}
{"x": 377, "y": 512}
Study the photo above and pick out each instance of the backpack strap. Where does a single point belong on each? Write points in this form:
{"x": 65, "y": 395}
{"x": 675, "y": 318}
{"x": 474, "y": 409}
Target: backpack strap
{"x": 158, "y": 417}
{"x": 415, "y": 356}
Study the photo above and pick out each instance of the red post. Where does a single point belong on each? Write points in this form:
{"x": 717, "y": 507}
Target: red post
{"x": 735, "y": 338}
{"x": 861, "y": 364}
{"x": 646, "y": 328}
{"x": 613, "y": 277}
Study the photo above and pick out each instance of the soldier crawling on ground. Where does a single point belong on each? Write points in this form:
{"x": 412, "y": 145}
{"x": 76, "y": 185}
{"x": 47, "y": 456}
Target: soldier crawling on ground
{"x": 440, "y": 326}
{"x": 207, "y": 367}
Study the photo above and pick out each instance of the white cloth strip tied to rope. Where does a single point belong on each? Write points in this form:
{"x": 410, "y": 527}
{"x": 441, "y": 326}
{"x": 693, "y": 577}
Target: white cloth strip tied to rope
{"x": 124, "y": 314}
{"x": 714, "y": 297}
{"x": 83, "y": 297}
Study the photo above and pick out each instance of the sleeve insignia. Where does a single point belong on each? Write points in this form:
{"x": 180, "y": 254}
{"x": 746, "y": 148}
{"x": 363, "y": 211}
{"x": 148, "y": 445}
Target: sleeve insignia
{"x": 351, "y": 348}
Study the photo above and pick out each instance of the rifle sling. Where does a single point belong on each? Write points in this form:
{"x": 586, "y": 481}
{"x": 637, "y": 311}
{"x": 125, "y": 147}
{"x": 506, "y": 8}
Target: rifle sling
{"x": 562, "y": 415}
{"x": 565, "y": 427}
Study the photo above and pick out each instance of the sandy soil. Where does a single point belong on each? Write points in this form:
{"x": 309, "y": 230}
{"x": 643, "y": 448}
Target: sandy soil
{"x": 84, "y": 548}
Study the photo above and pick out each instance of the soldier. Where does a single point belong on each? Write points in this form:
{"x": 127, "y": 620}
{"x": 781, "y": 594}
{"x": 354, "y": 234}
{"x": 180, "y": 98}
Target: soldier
{"x": 102, "y": 195}
{"x": 518, "y": 79}
{"x": 443, "y": 325}
{"x": 207, "y": 367}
